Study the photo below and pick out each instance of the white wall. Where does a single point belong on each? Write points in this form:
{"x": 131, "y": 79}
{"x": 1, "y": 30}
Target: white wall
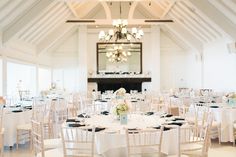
{"x": 65, "y": 64}
{"x": 219, "y": 67}
{"x": 179, "y": 67}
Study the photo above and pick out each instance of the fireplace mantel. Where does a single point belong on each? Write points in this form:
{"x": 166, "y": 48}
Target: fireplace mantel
{"x": 114, "y": 83}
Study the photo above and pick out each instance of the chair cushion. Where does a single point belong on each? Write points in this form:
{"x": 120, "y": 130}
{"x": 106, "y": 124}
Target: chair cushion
{"x": 191, "y": 146}
{"x": 24, "y": 126}
{"x": 234, "y": 125}
{"x": 52, "y": 153}
{"x": 52, "y": 143}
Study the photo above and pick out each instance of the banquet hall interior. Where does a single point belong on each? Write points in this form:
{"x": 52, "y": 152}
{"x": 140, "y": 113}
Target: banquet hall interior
{"x": 117, "y": 78}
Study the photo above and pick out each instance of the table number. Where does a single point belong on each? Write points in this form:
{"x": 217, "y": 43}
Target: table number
{"x": 123, "y": 119}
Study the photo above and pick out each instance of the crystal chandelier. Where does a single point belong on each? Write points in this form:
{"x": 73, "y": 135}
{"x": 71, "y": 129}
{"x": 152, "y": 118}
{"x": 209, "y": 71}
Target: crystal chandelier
{"x": 120, "y": 32}
{"x": 118, "y": 54}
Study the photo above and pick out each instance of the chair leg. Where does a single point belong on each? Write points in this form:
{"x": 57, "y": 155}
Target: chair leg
{"x": 219, "y": 133}
{"x": 17, "y": 139}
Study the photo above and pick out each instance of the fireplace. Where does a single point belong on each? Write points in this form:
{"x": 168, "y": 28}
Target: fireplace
{"x": 129, "y": 83}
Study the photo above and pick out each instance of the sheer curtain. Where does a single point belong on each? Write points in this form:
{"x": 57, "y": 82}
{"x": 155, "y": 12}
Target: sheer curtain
{"x": 21, "y": 77}
{"x": 44, "y": 79}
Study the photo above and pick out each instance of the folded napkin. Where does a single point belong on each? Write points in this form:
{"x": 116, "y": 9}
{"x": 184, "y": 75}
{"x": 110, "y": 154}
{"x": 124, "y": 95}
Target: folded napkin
{"x": 76, "y": 125}
{"x": 72, "y": 120}
{"x": 149, "y": 113}
{"x": 134, "y": 101}
{"x": 100, "y": 100}
{"x": 201, "y": 102}
{"x": 83, "y": 116}
{"x": 28, "y": 107}
{"x": 105, "y": 113}
{"x": 97, "y": 129}
{"x": 158, "y": 127}
{"x": 213, "y": 101}
{"x": 178, "y": 119}
{"x": 167, "y": 115}
{"x": 17, "y": 111}
{"x": 214, "y": 106}
{"x": 175, "y": 123}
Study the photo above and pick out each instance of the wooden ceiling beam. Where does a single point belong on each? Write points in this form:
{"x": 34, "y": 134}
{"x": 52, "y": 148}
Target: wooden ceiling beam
{"x": 69, "y": 5}
{"x": 15, "y": 27}
{"x": 217, "y": 17}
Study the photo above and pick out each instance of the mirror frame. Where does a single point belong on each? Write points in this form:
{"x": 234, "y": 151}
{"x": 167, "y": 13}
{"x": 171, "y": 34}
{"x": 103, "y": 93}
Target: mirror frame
{"x": 141, "y": 52}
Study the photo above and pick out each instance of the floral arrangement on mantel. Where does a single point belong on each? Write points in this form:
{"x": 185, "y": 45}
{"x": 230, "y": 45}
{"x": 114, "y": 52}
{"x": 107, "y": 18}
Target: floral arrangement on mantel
{"x": 120, "y": 93}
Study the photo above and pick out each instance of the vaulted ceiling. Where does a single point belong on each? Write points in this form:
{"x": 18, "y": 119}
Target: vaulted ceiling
{"x": 40, "y": 24}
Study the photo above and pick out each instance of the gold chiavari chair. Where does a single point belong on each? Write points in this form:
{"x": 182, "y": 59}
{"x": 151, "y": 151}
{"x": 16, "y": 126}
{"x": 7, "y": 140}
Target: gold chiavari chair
{"x": 140, "y": 142}
{"x": 39, "y": 143}
{"x": 78, "y": 142}
{"x": 195, "y": 140}
{"x": 1, "y": 131}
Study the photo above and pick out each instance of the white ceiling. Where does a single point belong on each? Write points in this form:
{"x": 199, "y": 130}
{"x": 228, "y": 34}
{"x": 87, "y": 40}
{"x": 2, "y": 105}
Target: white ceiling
{"x": 41, "y": 23}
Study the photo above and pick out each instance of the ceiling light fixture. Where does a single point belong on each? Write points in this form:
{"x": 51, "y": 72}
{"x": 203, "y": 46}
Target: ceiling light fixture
{"x": 120, "y": 32}
{"x": 118, "y": 54}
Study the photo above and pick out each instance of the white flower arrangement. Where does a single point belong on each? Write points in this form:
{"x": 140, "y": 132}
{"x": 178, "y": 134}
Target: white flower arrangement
{"x": 121, "y": 108}
{"x": 120, "y": 92}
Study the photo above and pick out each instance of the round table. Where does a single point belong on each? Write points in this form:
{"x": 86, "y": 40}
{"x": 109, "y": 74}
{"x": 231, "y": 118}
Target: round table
{"x": 10, "y": 122}
{"x": 225, "y": 115}
{"x": 109, "y": 143}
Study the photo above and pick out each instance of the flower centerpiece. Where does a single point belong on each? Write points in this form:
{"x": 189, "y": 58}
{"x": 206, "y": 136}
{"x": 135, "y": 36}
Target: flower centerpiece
{"x": 231, "y": 98}
{"x": 120, "y": 93}
{"x": 121, "y": 108}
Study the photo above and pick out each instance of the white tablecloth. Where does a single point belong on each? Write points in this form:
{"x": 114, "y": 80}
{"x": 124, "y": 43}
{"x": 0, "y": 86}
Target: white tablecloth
{"x": 225, "y": 115}
{"x": 10, "y": 122}
{"x": 106, "y": 141}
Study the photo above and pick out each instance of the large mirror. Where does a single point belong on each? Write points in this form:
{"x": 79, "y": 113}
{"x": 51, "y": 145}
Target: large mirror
{"x": 119, "y": 58}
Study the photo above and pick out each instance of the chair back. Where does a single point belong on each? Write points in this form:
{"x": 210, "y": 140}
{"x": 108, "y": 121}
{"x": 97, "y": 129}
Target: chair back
{"x": 78, "y": 142}
{"x": 37, "y": 136}
{"x": 144, "y": 141}
{"x": 191, "y": 135}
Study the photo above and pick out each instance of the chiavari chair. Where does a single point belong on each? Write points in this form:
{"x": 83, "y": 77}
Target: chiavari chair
{"x": 140, "y": 142}
{"x": 1, "y": 131}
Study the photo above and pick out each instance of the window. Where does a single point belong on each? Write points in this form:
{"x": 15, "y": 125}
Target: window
{"x": 21, "y": 77}
{"x": 44, "y": 79}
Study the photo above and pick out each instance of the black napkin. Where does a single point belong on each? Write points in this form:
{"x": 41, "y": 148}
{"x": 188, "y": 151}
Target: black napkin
{"x": 17, "y": 111}
{"x": 164, "y": 129}
{"x": 134, "y": 101}
{"x": 214, "y": 106}
{"x": 149, "y": 113}
{"x": 100, "y": 100}
{"x": 174, "y": 123}
{"x": 178, "y": 119}
{"x": 97, "y": 129}
{"x": 168, "y": 115}
{"x": 201, "y": 102}
{"x": 28, "y": 107}
{"x": 213, "y": 101}
{"x": 83, "y": 116}
{"x": 75, "y": 125}
{"x": 72, "y": 120}
{"x": 105, "y": 113}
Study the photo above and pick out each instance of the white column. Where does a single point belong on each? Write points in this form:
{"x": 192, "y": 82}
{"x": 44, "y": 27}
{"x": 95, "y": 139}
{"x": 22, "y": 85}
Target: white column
{"x": 4, "y": 75}
{"x": 155, "y": 58}
{"x": 202, "y": 70}
{"x": 37, "y": 80}
{"x": 82, "y": 59}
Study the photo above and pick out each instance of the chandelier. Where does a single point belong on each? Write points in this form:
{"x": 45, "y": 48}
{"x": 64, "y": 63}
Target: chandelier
{"x": 118, "y": 54}
{"x": 120, "y": 32}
